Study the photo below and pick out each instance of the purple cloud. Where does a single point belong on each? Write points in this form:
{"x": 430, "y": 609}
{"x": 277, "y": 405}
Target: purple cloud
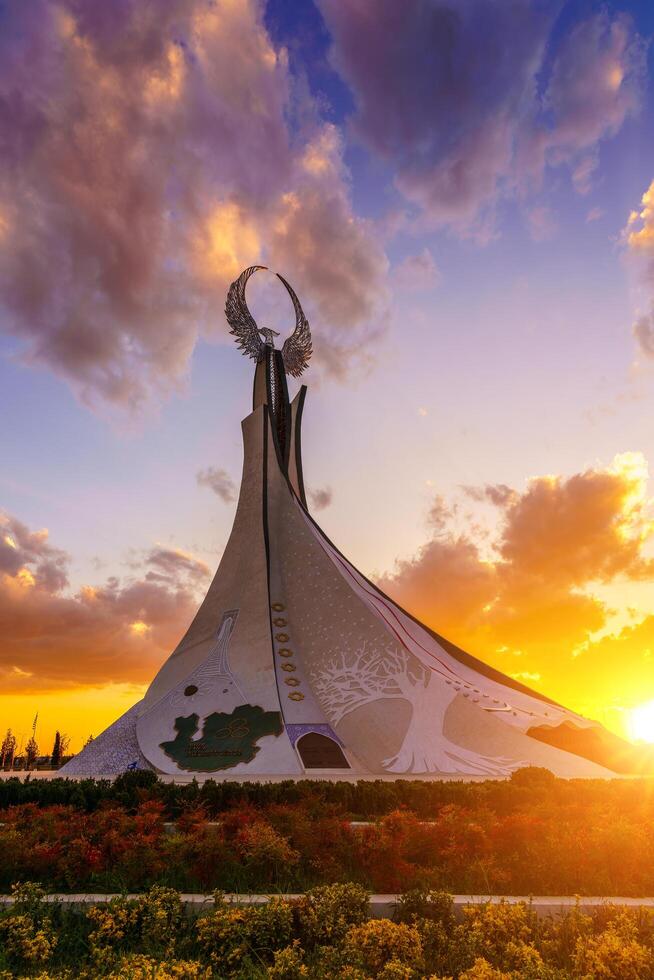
{"x": 145, "y": 159}
{"x": 219, "y": 481}
{"x": 638, "y": 238}
{"x": 417, "y": 271}
{"x": 44, "y": 566}
{"x": 644, "y": 334}
{"x": 321, "y": 498}
{"x": 451, "y": 94}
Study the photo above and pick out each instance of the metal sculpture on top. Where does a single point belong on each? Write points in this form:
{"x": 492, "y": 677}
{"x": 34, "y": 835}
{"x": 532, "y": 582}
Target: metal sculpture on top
{"x": 296, "y": 349}
{"x": 272, "y": 365}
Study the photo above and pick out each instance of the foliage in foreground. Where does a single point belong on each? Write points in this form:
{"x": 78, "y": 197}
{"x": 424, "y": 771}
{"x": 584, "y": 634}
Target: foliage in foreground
{"x": 324, "y": 935}
{"x": 530, "y": 835}
{"x": 527, "y": 789}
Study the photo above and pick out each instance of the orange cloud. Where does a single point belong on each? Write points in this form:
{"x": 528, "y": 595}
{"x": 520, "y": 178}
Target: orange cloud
{"x": 528, "y": 605}
{"x": 111, "y": 633}
{"x": 567, "y": 532}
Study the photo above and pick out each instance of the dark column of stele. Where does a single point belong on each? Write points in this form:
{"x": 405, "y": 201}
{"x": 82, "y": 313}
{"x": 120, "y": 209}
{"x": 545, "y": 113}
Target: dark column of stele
{"x": 316, "y": 749}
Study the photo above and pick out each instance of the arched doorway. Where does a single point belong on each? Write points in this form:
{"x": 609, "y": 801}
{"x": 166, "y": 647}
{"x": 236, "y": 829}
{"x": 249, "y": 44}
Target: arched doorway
{"x": 318, "y": 751}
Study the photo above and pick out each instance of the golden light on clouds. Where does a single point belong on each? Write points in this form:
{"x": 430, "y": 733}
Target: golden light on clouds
{"x": 632, "y": 470}
{"x": 290, "y": 205}
{"x": 165, "y": 83}
{"x": 642, "y": 237}
{"x": 25, "y": 578}
{"x": 614, "y": 77}
{"x": 9, "y": 541}
{"x": 23, "y": 581}
{"x": 65, "y": 22}
{"x": 528, "y": 676}
{"x": 139, "y": 628}
{"x": 244, "y": 73}
{"x": 228, "y": 243}
{"x": 323, "y": 153}
{"x": 551, "y": 606}
{"x": 641, "y": 722}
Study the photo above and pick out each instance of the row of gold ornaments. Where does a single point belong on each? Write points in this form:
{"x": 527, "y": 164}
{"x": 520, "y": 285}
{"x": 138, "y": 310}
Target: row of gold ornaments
{"x": 288, "y": 666}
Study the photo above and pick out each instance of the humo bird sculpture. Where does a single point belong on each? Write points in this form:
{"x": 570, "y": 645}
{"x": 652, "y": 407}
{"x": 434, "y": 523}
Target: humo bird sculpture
{"x": 296, "y": 349}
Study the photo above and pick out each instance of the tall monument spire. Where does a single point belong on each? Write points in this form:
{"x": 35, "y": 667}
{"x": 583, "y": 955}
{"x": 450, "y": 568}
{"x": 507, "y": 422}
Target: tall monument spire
{"x": 297, "y": 664}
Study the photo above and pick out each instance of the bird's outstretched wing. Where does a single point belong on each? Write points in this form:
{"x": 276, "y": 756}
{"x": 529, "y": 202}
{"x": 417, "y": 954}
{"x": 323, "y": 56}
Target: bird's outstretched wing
{"x": 241, "y": 321}
{"x": 297, "y": 348}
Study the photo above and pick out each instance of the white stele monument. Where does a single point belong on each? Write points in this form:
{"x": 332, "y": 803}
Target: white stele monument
{"x": 297, "y": 665}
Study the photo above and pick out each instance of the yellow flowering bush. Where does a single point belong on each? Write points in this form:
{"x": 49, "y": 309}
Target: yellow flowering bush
{"x": 288, "y": 964}
{"x": 482, "y": 970}
{"x": 28, "y": 938}
{"x": 149, "y": 937}
{"x": 112, "y": 922}
{"x": 161, "y": 912}
{"x": 140, "y": 967}
{"x": 396, "y": 970}
{"x": 150, "y": 922}
{"x": 559, "y": 936}
{"x": 222, "y": 937}
{"x": 502, "y": 934}
{"x": 230, "y": 936}
{"x": 615, "y": 954}
{"x": 379, "y": 943}
{"x": 326, "y": 913}
{"x": 25, "y": 941}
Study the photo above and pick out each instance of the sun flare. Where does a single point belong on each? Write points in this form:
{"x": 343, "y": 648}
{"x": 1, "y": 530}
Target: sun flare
{"x": 641, "y": 722}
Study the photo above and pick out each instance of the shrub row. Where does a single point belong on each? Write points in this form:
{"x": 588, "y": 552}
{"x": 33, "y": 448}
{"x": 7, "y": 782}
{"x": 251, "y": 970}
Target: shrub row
{"x": 324, "y": 935}
{"x": 527, "y": 788}
{"x": 546, "y": 849}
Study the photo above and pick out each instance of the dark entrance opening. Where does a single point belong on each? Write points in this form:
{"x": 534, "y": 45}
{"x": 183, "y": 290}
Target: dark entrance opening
{"x": 321, "y": 752}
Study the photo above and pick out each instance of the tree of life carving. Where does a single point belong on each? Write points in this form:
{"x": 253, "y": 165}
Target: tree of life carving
{"x": 351, "y": 680}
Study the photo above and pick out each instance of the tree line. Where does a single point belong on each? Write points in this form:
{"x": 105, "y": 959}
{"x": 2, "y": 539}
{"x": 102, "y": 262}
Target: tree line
{"x": 13, "y": 756}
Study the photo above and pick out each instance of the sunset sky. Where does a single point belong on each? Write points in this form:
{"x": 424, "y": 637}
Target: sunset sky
{"x": 462, "y": 194}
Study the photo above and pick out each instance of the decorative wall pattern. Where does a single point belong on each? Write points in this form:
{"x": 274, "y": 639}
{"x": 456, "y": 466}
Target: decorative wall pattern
{"x": 112, "y": 752}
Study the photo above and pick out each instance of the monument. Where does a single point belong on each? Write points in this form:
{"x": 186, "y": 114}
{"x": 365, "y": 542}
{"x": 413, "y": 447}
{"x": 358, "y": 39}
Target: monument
{"x": 297, "y": 665}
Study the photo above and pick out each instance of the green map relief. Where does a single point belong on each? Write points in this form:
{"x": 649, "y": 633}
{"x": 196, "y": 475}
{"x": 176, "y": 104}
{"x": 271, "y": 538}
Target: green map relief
{"x": 226, "y": 740}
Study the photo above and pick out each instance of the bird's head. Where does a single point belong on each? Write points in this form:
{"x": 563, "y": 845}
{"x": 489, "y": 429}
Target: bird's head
{"x": 268, "y": 335}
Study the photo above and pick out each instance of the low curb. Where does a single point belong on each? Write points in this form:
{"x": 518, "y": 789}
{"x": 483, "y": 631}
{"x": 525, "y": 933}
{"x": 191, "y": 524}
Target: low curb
{"x": 380, "y": 906}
